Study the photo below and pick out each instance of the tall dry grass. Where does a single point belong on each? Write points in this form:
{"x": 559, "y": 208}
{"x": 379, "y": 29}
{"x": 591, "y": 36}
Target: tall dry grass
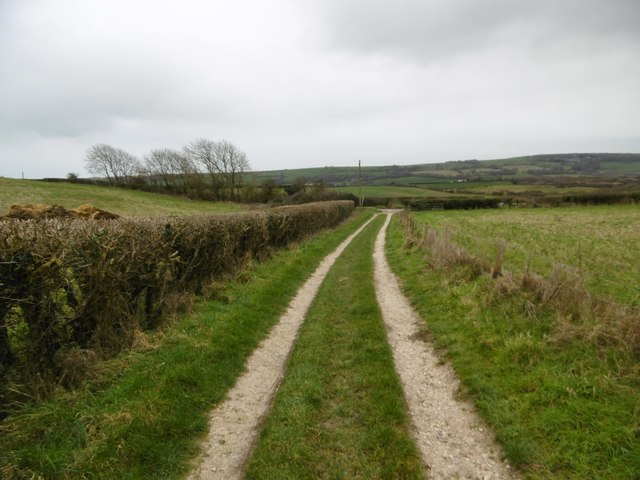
{"x": 444, "y": 252}
{"x": 579, "y": 312}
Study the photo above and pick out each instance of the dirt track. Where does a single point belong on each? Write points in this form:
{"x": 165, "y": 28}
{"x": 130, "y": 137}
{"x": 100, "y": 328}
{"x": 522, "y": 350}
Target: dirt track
{"x": 453, "y": 441}
{"x": 235, "y": 423}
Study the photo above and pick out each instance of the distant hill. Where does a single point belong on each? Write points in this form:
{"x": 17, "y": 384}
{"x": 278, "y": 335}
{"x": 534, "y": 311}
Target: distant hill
{"x": 529, "y": 169}
{"x": 586, "y": 178}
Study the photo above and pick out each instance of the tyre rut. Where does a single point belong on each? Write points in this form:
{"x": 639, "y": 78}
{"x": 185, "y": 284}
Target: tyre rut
{"x": 235, "y": 423}
{"x": 453, "y": 440}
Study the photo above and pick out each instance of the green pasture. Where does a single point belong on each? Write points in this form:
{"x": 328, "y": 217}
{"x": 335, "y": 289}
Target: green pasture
{"x": 381, "y": 191}
{"x": 117, "y": 200}
{"x": 621, "y": 168}
{"x": 602, "y": 243}
{"x": 525, "y": 189}
{"x": 560, "y": 394}
{"x": 412, "y": 180}
{"x": 498, "y": 187}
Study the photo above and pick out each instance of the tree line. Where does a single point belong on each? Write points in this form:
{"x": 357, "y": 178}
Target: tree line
{"x": 202, "y": 169}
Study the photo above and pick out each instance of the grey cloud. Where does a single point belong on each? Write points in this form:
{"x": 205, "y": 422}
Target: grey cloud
{"x": 67, "y": 71}
{"x": 72, "y": 98}
{"x": 317, "y": 82}
{"x": 434, "y": 29}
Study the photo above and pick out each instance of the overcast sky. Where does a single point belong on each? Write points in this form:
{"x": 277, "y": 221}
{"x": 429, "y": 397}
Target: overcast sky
{"x": 298, "y": 83}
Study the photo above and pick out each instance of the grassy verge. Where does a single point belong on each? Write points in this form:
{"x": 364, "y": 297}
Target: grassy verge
{"x": 143, "y": 414}
{"x": 340, "y": 411}
{"x": 562, "y": 407}
{"x": 117, "y": 200}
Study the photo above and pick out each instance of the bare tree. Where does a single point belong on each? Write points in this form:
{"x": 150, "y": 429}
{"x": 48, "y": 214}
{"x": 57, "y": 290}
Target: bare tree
{"x": 203, "y": 152}
{"x": 232, "y": 163}
{"x": 224, "y": 162}
{"x": 186, "y": 171}
{"x": 299, "y": 185}
{"x": 115, "y": 164}
{"x": 100, "y": 160}
{"x": 171, "y": 170}
{"x": 158, "y": 168}
{"x": 238, "y": 166}
{"x": 127, "y": 165}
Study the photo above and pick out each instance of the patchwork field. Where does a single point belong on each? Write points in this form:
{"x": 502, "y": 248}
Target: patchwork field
{"x": 542, "y": 168}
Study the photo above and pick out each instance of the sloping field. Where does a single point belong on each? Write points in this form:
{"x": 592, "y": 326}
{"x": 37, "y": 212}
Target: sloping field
{"x": 122, "y": 201}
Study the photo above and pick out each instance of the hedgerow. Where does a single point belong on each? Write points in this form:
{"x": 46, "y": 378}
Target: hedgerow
{"x": 73, "y": 290}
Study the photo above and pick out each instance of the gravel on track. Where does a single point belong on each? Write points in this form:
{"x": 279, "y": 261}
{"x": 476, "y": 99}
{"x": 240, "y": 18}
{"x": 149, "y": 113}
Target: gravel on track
{"x": 453, "y": 441}
{"x": 235, "y": 423}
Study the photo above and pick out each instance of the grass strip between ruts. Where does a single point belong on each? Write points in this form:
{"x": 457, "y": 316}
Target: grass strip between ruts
{"x": 145, "y": 414}
{"x": 340, "y": 411}
{"x": 561, "y": 408}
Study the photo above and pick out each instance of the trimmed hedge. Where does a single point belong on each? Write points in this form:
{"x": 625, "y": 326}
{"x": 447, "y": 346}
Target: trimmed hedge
{"x": 453, "y": 203}
{"x": 602, "y": 198}
{"x": 441, "y": 203}
{"x": 73, "y": 288}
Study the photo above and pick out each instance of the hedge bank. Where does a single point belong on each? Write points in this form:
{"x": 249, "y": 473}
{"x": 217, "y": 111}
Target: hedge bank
{"x": 74, "y": 290}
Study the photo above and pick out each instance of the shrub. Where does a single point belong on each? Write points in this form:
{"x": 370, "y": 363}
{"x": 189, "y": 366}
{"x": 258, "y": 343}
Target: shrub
{"x": 70, "y": 285}
{"x": 453, "y": 203}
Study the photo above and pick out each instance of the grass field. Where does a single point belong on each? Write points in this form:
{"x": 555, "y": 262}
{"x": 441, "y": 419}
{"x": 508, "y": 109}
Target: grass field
{"x": 602, "y": 243}
{"x": 561, "y": 395}
{"x": 488, "y": 188}
{"x": 395, "y": 191}
{"x": 143, "y": 413}
{"x": 460, "y": 190}
{"x": 340, "y": 412}
{"x": 413, "y": 180}
{"x": 117, "y": 200}
{"x": 538, "y": 189}
{"x": 622, "y": 168}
